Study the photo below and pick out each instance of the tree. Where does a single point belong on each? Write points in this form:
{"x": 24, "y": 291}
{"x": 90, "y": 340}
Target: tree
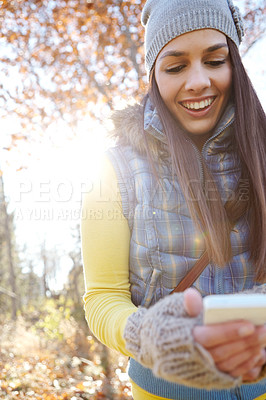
{"x": 75, "y": 283}
{"x": 7, "y": 256}
{"x": 63, "y": 69}
{"x": 30, "y": 284}
{"x": 63, "y": 59}
{"x": 75, "y": 279}
{"x": 50, "y": 263}
{"x": 255, "y": 24}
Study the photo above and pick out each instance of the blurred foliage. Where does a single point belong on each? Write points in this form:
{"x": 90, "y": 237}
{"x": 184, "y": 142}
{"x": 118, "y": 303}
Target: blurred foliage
{"x": 63, "y": 59}
{"x": 51, "y": 314}
{"x": 255, "y": 22}
{"x": 59, "y": 58}
{"x": 47, "y": 354}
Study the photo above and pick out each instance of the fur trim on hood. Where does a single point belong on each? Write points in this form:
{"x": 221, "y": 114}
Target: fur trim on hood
{"x": 128, "y": 131}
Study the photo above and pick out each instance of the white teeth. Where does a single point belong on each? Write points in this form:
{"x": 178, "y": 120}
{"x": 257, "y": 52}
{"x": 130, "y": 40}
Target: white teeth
{"x": 198, "y": 105}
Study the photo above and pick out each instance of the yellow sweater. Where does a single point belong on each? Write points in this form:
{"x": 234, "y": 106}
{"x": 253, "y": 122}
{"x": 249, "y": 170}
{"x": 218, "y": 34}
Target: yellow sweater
{"x": 105, "y": 246}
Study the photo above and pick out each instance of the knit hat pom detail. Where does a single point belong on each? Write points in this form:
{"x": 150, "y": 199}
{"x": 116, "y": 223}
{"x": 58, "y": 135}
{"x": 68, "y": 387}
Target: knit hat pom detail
{"x": 239, "y": 23}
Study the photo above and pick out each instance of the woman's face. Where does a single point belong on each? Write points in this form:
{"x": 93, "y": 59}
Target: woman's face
{"x": 194, "y": 76}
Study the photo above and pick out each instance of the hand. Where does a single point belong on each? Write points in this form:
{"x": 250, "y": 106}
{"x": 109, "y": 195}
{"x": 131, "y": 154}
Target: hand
{"x": 237, "y": 347}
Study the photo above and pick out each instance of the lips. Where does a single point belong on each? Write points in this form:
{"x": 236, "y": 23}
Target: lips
{"x": 199, "y": 105}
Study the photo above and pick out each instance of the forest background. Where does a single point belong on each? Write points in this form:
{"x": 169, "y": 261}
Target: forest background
{"x": 64, "y": 64}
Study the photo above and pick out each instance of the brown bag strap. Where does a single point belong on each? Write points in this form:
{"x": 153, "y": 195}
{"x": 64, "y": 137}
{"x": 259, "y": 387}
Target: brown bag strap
{"x": 193, "y": 274}
{"x": 202, "y": 263}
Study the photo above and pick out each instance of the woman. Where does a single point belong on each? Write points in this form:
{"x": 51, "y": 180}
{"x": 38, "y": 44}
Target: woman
{"x": 187, "y": 174}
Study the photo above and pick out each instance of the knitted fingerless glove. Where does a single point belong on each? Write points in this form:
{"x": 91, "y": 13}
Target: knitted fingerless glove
{"x": 161, "y": 338}
{"x": 261, "y": 289}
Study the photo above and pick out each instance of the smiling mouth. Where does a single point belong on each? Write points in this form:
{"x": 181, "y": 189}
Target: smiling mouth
{"x": 198, "y": 105}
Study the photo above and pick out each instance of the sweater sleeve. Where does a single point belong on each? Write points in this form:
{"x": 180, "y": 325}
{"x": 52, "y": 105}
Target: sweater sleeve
{"x": 105, "y": 250}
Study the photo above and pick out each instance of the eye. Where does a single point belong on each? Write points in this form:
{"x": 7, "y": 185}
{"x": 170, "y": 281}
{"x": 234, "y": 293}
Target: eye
{"x": 216, "y": 63}
{"x": 175, "y": 70}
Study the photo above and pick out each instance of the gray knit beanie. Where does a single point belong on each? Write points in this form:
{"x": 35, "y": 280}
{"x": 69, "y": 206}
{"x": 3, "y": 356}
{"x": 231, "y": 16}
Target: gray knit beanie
{"x": 164, "y": 20}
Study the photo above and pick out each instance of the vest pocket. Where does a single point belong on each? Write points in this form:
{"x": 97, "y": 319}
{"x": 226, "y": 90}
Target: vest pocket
{"x": 150, "y": 291}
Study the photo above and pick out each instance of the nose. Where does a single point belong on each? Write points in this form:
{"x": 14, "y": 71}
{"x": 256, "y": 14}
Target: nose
{"x": 197, "y": 79}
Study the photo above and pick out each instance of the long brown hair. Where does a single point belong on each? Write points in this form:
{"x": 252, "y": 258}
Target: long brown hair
{"x": 250, "y": 138}
{"x": 207, "y": 210}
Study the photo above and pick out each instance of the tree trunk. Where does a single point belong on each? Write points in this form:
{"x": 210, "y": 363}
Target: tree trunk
{"x": 45, "y": 268}
{"x": 8, "y": 238}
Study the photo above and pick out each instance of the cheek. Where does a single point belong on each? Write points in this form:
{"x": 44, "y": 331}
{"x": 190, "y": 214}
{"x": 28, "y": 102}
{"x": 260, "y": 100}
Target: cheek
{"x": 167, "y": 86}
{"x": 168, "y": 90}
{"x": 162, "y": 86}
{"x": 225, "y": 82}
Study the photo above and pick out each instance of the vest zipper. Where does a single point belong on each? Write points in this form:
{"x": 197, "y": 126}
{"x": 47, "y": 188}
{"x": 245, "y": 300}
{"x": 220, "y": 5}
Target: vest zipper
{"x": 217, "y": 134}
{"x": 237, "y": 393}
{"x": 200, "y": 154}
{"x": 200, "y": 157}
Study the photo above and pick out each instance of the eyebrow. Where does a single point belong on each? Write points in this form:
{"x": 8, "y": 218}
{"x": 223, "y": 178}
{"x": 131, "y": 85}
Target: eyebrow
{"x": 215, "y": 47}
{"x": 173, "y": 53}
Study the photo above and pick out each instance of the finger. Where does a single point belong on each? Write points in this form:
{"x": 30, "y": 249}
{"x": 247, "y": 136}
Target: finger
{"x": 249, "y": 358}
{"x": 225, "y": 351}
{"x": 261, "y": 332}
{"x": 192, "y": 302}
{"x": 252, "y": 374}
{"x": 246, "y": 367}
{"x": 255, "y": 371}
{"x": 262, "y": 359}
{"x": 218, "y": 334}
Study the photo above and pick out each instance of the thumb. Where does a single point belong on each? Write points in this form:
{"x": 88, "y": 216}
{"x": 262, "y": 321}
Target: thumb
{"x": 192, "y": 302}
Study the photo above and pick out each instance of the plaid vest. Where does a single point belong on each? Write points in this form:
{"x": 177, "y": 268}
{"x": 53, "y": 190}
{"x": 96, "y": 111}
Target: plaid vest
{"x": 165, "y": 242}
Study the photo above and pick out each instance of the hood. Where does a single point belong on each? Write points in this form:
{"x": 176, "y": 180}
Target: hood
{"x": 128, "y": 131}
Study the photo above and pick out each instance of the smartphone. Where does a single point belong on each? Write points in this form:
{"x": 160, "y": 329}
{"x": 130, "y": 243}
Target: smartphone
{"x": 228, "y": 307}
